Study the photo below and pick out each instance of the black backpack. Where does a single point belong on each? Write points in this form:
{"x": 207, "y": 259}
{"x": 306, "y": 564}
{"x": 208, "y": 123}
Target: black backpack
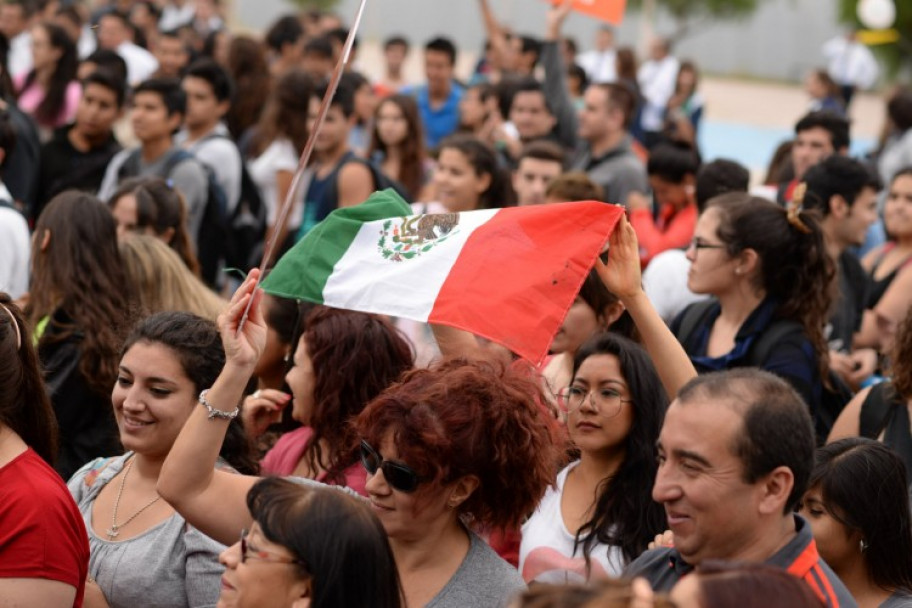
{"x": 213, "y": 239}
{"x": 382, "y": 181}
{"x": 247, "y": 222}
{"x": 835, "y": 395}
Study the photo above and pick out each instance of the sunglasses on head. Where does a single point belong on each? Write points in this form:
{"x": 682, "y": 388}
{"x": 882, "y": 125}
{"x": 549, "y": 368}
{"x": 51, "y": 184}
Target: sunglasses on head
{"x": 398, "y": 476}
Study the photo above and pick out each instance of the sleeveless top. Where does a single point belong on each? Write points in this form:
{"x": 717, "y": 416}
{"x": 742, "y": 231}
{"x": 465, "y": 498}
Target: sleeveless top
{"x": 879, "y": 286}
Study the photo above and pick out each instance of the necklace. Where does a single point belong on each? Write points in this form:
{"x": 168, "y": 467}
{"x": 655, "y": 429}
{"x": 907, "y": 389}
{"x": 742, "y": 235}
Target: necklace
{"x": 114, "y": 531}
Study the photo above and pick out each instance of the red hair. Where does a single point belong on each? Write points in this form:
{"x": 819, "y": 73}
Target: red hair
{"x": 470, "y": 418}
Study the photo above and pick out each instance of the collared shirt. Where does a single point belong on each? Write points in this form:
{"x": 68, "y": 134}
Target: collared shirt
{"x": 440, "y": 121}
{"x": 665, "y": 566}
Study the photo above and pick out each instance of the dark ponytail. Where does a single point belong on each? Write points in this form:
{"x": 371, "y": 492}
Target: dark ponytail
{"x": 795, "y": 268}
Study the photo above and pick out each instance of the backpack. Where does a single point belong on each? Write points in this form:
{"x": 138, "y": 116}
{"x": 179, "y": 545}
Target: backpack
{"x": 382, "y": 181}
{"x": 247, "y": 222}
{"x": 835, "y": 393}
{"x": 212, "y": 242}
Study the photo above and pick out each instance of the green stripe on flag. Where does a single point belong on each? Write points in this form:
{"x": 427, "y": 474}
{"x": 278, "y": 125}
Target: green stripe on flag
{"x": 303, "y": 271}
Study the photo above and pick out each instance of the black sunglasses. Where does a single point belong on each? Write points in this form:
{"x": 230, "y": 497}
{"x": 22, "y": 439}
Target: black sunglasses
{"x": 398, "y": 476}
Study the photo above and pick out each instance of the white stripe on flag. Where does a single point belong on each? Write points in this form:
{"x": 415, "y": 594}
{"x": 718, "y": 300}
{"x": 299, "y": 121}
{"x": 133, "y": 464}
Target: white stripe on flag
{"x": 364, "y": 280}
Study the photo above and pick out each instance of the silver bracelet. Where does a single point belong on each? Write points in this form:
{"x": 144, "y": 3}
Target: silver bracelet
{"x": 217, "y": 413}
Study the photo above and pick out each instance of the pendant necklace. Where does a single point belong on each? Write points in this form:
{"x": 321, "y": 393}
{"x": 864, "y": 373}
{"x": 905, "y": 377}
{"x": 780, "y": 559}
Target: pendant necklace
{"x": 114, "y": 531}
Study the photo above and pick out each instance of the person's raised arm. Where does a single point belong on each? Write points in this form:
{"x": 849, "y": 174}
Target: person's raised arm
{"x": 555, "y": 83}
{"x": 496, "y": 35}
{"x": 214, "y": 501}
{"x": 621, "y": 275}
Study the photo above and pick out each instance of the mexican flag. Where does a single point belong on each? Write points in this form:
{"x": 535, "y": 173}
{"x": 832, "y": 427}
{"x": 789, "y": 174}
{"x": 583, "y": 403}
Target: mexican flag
{"x": 509, "y": 275}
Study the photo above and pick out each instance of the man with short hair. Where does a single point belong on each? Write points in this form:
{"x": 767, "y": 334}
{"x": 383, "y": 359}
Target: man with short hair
{"x": 438, "y": 99}
{"x": 844, "y": 192}
{"x": 15, "y": 16}
{"x": 285, "y": 38}
{"x": 735, "y": 454}
{"x": 209, "y": 91}
{"x": 607, "y": 154}
{"x": 818, "y": 135}
{"x": 340, "y": 179}
{"x": 318, "y": 60}
{"x": 539, "y": 164}
{"x": 395, "y": 52}
{"x": 157, "y": 113}
{"x": 78, "y": 154}
{"x": 116, "y": 34}
{"x": 172, "y": 55}
{"x": 657, "y": 78}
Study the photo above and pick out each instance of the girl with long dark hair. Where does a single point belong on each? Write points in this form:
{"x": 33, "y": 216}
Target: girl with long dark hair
{"x": 50, "y": 91}
{"x": 79, "y": 306}
{"x": 600, "y": 515}
{"x": 397, "y": 143}
{"x": 858, "y": 507}
{"x": 45, "y": 556}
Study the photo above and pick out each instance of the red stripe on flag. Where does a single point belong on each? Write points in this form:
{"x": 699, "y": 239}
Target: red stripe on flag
{"x": 518, "y": 274}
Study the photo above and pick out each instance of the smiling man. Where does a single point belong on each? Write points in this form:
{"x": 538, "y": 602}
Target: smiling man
{"x": 735, "y": 454}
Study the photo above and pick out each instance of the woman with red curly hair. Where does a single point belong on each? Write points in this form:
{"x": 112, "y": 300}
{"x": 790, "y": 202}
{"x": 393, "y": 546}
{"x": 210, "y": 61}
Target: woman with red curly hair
{"x": 459, "y": 443}
{"x": 462, "y": 442}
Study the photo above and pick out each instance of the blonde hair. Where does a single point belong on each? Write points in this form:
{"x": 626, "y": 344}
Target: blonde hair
{"x": 163, "y": 282}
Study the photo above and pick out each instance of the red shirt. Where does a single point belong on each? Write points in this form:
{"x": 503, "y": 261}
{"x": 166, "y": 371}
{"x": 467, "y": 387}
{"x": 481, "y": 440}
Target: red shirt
{"x": 42, "y": 534}
{"x": 672, "y": 230}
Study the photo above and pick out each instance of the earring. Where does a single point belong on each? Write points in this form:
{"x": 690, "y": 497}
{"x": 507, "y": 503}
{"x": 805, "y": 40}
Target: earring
{"x": 863, "y": 545}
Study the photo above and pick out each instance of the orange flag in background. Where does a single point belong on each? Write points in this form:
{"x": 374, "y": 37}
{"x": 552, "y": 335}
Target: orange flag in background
{"x": 611, "y": 11}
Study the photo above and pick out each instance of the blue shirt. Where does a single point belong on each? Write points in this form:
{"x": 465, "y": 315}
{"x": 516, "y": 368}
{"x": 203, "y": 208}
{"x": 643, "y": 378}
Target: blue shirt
{"x": 442, "y": 121}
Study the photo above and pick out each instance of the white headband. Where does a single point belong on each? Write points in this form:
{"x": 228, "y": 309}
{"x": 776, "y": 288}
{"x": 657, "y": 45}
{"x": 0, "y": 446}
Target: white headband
{"x": 16, "y": 325}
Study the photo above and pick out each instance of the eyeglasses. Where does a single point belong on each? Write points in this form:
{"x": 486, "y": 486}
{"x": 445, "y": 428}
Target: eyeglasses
{"x": 697, "y": 243}
{"x": 398, "y": 476}
{"x": 248, "y": 552}
{"x": 607, "y": 401}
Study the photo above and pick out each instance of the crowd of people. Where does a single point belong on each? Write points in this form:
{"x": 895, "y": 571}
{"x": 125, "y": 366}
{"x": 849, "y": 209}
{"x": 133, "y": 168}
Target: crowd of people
{"x": 723, "y": 418}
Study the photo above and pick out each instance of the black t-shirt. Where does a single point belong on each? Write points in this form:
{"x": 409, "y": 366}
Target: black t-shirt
{"x": 854, "y": 286}
{"x": 63, "y": 167}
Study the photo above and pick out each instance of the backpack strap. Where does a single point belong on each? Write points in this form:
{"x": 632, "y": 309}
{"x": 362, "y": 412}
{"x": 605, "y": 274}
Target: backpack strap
{"x": 875, "y": 410}
{"x": 692, "y": 317}
{"x": 770, "y": 339}
{"x": 131, "y": 166}
{"x": 180, "y": 155}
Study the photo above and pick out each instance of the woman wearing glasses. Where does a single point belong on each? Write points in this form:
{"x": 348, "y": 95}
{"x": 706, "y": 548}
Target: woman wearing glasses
{"x": 770, "y": 275}
{"x": 600, "y": 515}
{"x": 463, "y": 442}
{"x": 314, "y": 548}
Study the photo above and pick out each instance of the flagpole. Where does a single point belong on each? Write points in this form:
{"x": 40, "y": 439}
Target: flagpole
{"x": 304, "y": 160}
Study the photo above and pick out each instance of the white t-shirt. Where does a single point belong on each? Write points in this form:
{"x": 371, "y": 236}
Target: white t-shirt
{"x": 600, "y": 66}
{"x": 14, "y": 251}
{"x": 546, "y": 552}
{"x": 279, "y": 156}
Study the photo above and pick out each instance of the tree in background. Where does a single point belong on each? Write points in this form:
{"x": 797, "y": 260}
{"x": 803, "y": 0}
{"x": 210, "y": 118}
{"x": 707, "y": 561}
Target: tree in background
{"x": 690, "y": 15}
